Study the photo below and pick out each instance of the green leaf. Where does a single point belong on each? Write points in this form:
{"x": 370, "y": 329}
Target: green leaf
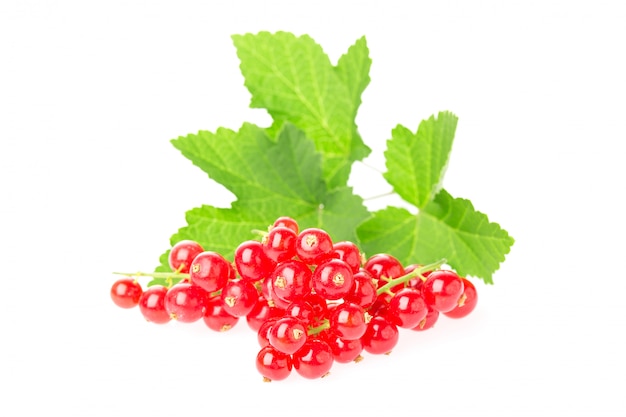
{"x": 295, "y": 81}
{"x": 416, "y": 162}
{"x": 270, "y": 178}
{"x": 446, "y": 227}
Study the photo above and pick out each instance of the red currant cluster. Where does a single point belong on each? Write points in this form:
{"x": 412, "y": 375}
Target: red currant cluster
{"x": 311, "y": 301}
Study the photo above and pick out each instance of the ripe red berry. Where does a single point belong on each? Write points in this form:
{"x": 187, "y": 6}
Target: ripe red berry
{"x": 239, "y": 297}
{"x": 251, "y": 261}
{"x": 349, "y": 253}
{"x": 152, "y": 304}
{"x": 186, "y": 302}
{"x": 344, "y": 351}
{"x": 466, "y": 303}
{"x": 382, "y": 267}
{"x": 333, "y": 279}
{"x": 313, "y": 246}
{"x": 210, "y": 270}
{"x": 182, "y": 255}
{"x": 288, "y": 222}
{"x": 216, "y": 317}
{"x": 291, "y": 280}
{"x": 429, "y": 321}
{"x": 407, "y": 308}
{"x": 380, "y": 337}
{"x": 125, "y": 292}
{"x": 288, "y": 334}
{"x": 314, "y": 359}
{"x": 442, "y": 290}
{"x": 261, "y": 312}
{"x": 348, "y": 321}
{"x": 363, "y": 290}
{"x": 280, "y": 243}
{"x": 273, "y": 364}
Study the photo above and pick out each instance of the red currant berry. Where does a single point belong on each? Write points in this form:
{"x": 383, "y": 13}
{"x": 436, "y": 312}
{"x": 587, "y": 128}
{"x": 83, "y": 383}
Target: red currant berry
{"x": 152, "y": 304}
{"x": 466, "y": 303}
{"x": 291, "y": 280}
{"x": 301, "y": 310}
{"x": 182, "y": 255}
{"x": 263, "y": 334}
{"x": 314, "y": 245}
{"x": 381, "y": 305}
{"x": 383, "y": 267}
{"x": 333, "y": 279}
{"x": 348, "y": 321}
{"x": 380, "y": 337}
{"x": 280, "y": 244}
{"x": 210, "y": 271}
{"x": 363, "y": 291}
{"x": 288, "y": 222}
{"x": 442, "y": 290}
{"x": 288, "y": 334}
{"x": 344, "y": 351}
{"x": 239, "y": 297}
{"x": 216, "y": 317}
{"x": 429, "y": 321}
{"x": 407, "y": 308}
{"x": 314, "y": 359}
{"x": 261, "y": 312}
{"x": 251, "y": 261}
{"x": 319, "y": 304}
{"x": 125, "y": 292}
{"x": 273, "y": 364}
{"x": 349, "y": 253}
{"x": 186, "y": 302}
{"x": 267, "y": 289}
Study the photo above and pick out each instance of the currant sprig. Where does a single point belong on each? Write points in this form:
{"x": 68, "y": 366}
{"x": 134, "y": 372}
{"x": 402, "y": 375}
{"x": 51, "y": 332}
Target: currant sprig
{"x": 311, "y": 301}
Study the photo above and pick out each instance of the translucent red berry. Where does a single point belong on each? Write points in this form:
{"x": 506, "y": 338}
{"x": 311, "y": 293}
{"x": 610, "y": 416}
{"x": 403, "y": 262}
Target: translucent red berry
{"x": 182, "y": 255}
{"x": 333, "y": 279}
{"x": 466, "y": 303}
{"x": 348, "y": 321}
{"x": 251, "y": 261}
{"x": 314, "y": 245}
{"x": 280, "y": 243}
{"x": 125, "y": 292}
{"x": 442, "y": 290}
{"x": 186, "y": 302}
{"x": 314, "y": 359}
{"x": 349, "y": 253}
{"x": 239, "y": 297}
{"x": 273, "y": 364}
{"x": 210, "y": 270}
{"x": 152, "y": 304}
{"x": 288, "y": 334}
{"x": 407, "y": 308}
{"x": 216, "y": 317}
{"x": 380, "y": 337}
{"x": 288, "y": 222}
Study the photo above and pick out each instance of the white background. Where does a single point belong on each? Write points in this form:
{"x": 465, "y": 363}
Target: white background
{"x": 92, "y": 92}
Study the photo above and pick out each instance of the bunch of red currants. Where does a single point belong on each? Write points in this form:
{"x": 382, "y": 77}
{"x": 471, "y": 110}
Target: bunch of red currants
{"x": 312, "y": 301}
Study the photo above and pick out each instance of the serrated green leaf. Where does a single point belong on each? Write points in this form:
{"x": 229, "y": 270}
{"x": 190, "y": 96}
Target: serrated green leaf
{"x": 270, "y": 178}
{"x": 416, "y": 162}
{"x": 446, "y": 228}
{"x": 295, "y": 81}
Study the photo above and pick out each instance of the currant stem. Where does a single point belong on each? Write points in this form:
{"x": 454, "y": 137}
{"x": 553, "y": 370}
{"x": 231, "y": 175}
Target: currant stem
{"x": 311, "y": 331}
{"x": 166, "y": 275}
{"x": 417, "y": 272}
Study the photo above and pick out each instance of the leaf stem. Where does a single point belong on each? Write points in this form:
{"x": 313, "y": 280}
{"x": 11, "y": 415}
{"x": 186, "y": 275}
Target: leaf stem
{"x": 387, "y": 194}
{"x": 417, "y": 272}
